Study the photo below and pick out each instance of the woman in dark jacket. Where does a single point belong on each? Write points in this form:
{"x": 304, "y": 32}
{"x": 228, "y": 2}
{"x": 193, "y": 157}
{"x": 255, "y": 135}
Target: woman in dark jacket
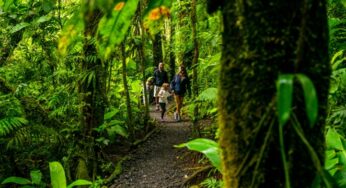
{"x": 180, "y": 85}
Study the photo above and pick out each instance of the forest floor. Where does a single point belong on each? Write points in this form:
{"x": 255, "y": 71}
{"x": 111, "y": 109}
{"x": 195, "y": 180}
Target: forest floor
{"x": 156, "y": 163}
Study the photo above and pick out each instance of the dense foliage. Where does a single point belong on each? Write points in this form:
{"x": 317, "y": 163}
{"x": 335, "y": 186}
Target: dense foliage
{"x": 72, "y": 75}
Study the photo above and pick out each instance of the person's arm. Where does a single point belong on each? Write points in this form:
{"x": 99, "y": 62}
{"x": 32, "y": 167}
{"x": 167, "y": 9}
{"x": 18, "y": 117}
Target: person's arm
{"x": 160, "y": 94}
{"x": 172, "y": 84}
{"x": 155, "y": 77}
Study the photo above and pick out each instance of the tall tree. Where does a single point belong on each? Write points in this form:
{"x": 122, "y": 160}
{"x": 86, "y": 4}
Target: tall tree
{"x": 126, "y": 90}
{"x": 262, "y": 39}
{"x": 93, "y": 92}
{"x": 157, "y": 49}
{"x": 195, "y": 54}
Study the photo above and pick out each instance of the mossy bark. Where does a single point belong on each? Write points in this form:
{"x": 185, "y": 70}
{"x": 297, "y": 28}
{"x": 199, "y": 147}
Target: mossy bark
{"x": 157, "y": 49}
{"x": 92, "y": 90}
{"x": 262, "y": 39}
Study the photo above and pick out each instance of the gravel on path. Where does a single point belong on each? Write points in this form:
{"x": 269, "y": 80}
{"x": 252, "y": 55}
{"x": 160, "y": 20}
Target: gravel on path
{"x": 155, "y": 163}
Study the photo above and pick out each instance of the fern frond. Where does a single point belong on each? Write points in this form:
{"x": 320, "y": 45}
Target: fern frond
{"x": 34, "y": 134}
{"x": 9, "y": 124}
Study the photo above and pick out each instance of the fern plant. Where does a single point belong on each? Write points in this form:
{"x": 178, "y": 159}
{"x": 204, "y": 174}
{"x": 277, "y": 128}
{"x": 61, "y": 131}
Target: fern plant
{"x": 212, "y": 183}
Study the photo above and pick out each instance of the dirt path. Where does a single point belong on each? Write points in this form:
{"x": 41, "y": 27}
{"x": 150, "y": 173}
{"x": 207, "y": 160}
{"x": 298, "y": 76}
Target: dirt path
{"x": 155, "y": 163}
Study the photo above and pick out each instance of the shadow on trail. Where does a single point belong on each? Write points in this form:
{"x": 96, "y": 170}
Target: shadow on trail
{"x": 156, "y": 163}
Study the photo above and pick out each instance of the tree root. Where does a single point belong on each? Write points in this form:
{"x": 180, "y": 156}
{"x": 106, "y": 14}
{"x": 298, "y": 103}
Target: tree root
{"x": 117, "y": 170}
{"x": 196, "y": 173}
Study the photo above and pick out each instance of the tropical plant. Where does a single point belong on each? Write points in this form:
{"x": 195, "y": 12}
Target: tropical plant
{"x": 57, "y": 174}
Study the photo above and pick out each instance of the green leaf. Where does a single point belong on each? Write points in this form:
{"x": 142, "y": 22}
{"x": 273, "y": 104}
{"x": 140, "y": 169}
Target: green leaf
{"x": 112, "y": 30}
{"x": 208, "y": 147}
{"x": 330, "y": 154}
{"x": 16, "y": 180}
{"x": 284, "y": 88}
{"x": 36, "y": 177}
{"x": 333, "y": 140}
{"x": 310, "y": 97}
{"x": 42, "y": 19}
{"x": 110, "y": 114}
{"x": 79, "y": 182}
{"x": 57, "y": 175}
{"x": 19, "y": 27}
{"x": 7, "y": 4}
{"x": 331, "y": 163}
{"x": 48, "y": 5}
{"x": 209, "y": 94}
{"x": 117, "y": 129}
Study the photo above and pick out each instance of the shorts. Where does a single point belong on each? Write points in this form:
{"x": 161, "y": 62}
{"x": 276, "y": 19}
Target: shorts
{"x": 156, "y": 90}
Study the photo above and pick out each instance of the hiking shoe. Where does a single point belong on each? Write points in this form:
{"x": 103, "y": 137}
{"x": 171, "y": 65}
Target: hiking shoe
{"x": 157, "y": 108}
{"x": 178, "y": 117}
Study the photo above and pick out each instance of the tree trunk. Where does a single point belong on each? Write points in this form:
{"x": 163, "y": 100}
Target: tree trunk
{"x": 126, "y": 90}
{"x": 157, "y": 49}
{"x": 93, "y": 92}
{"x": 195, "y": 56}
{"x": 262, "y": 39}
{"x": 141, "y": 53}
{"x": 171, "y": 49}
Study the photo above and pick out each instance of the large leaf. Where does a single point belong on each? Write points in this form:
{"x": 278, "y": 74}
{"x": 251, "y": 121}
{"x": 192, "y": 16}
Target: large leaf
{"x": 284, "y": 88}
{"x": 333, "y": 140}
{"x": 208, "y": 147}
{"x": 110, "y": 114}
{"x": 16, "y": 180}
{"x": 79, "y": 183}
{"x": 112, "y": 30}
{"x": 57, "y": 175}
{"x": 19, "y": 27}
{"x": 310, "y": 97}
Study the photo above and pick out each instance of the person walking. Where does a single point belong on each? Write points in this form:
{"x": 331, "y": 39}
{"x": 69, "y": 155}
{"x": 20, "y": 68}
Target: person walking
{"x": 160, "y": 77}
{"x": 179, "y": 86}
{"x": 163, "y": 94}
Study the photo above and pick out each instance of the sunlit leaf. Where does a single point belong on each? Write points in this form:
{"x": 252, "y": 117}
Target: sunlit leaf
{"x": 208, "y": 147}
{"x": 333, "y": 139}
{"x": 79, "y": 183}
{"x": 16, "y": 180}
{"x": 117, "y": 129}
{"x": 284, "y": 88}
{"x": 43, "y": 19}
{"x": 57, "y": 175}
{"x": 209, "y": 94}
{"x": 19, "y": 27}
{"x": 113, "y": 29}
{"x": 110, "y": 114}
{"x": 310, "y": 97}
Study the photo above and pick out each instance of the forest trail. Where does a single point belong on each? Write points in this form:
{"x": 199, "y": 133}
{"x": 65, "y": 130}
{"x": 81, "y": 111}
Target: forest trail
{"x": 156, "y": 164}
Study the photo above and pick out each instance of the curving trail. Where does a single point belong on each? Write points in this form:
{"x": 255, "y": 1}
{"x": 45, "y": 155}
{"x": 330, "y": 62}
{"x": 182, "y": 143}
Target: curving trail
{"x": 156, "y": 163}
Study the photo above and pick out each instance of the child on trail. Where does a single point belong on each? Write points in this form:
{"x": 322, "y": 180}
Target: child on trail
{"x": 163, "y": 94}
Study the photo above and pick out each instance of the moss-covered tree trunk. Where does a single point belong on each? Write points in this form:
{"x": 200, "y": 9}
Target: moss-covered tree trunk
{"x": 126, "y": 90}
{"x": 93, "y": 92}
{"x": 141, "y": 53}
{"x": 195, "y": 56}
{"x": 262, "y": 39}
{"x": 157, "y": 49}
